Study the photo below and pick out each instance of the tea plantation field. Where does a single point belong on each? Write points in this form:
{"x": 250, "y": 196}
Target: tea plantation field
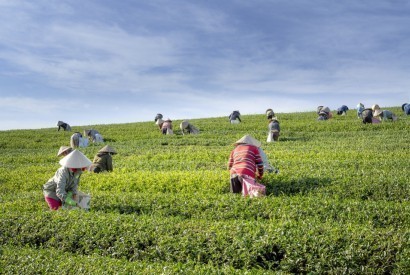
{"x": 340, "y": 204}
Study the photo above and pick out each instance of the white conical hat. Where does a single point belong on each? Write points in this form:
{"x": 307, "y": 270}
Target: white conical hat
{"x": 63, "y": 149}
{"x": 107, "y": 149}
{"x": 249, "y": 140}
{"x": 75, "y": 159}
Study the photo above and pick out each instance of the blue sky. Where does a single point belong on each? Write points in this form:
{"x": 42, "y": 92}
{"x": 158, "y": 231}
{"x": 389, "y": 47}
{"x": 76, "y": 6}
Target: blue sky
{"x": 103, "y": 61}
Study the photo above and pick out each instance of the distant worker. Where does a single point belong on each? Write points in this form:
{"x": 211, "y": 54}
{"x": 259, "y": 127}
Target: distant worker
{"x": 324, "y": 113}
{"x": 245, "y": 161}
{"x": 166, "y": 127}
{"x": 75, "y": 140}
{"x": 64, "y": 151}
{"x": 94, "y": 136}
{"x": 103, "y": 160}
{"x": 384, "y": 115}
{"x": 406, "y": 108}
{"x": 65, "y": 181}
{"x": 360, "y": 108}
{"x": 318, "y": 109}
{"x": 63, "y": 125}
{"x": 269, "y": 113}
{"x": 342, "y": 110}
{"x": 235, "y": 117}
{"x": 274, "y": 130}
{"x": 188, "y": 127}
{"x": 367, "y": 116}
{"x": 158, "y": 116}
{"x": 158, "y": 120}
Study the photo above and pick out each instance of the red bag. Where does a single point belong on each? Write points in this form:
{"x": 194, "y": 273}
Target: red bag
{"x": 252, "y": 188}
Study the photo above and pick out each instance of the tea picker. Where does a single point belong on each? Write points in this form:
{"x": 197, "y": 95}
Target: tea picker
{"x": 66, "y": 179}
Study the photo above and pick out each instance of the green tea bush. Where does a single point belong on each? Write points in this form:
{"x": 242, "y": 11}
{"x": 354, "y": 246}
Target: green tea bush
{"x": 340, "y": 203}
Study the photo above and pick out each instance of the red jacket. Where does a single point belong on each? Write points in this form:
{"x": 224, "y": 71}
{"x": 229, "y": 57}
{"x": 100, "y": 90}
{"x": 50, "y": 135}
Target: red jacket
{"x": 244, "y": 160}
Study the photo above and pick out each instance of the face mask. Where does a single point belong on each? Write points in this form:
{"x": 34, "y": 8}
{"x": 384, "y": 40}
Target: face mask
{"x": 77, "y": 174}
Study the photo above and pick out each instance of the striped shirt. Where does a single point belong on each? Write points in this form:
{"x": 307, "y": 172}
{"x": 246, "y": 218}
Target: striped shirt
{"x": 244, "y": 160}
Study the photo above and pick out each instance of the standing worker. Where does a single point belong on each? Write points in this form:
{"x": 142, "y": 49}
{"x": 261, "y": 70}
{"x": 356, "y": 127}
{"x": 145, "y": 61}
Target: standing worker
{"x": 57, "y": 190}
{"x": 158, "y": 120}
{"x": 245, "y": 161}
{"x": 235, "y": 117}
{"x": 188, "y": 127}
{"x": 103, "y": 160}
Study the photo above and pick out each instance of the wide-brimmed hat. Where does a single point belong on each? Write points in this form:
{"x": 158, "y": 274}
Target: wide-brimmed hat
{"x": 75, "y": 159}
{"x": 107, "y": 149}
{"x": 64, "y": 149}
{"x": 377, "y": 112}
{"x": 247, "y": 139}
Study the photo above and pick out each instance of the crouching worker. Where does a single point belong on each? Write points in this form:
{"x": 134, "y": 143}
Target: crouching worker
{"x": 66, "y": 179}
{"x": 342, "y": 110}
{"x": 103, "y": 160}
{"x": 245, "y": 162}
{"x": 406, "y": 108}
{"x": 166, "y": 127}
{"x": 235, "y": 117}
{"x": 158, "y": 120}
{"x": 188, "y": 127}
{"x": 360, "y": 109}
{"x": 367, "y": 116}
{"x": 94, "y": 136}
{"x": 65, "y": 126}
{"x": 384, "y": 115}
{"x": 274, "y": 130}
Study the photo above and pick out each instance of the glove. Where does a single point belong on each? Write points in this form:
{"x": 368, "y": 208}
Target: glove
{"x": 69, "y": 200}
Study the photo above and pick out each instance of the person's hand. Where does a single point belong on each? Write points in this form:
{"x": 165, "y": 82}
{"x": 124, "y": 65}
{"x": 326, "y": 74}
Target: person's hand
{"x": 75, "y": 197}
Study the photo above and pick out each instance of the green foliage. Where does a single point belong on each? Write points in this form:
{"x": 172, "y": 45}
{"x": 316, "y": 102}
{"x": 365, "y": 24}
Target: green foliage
{"x": 340, "y": 203}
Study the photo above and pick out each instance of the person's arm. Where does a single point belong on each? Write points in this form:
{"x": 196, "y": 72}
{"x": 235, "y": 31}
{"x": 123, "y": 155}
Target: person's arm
{"x": 109, "y": 163}
{"x": 61, "y": 181}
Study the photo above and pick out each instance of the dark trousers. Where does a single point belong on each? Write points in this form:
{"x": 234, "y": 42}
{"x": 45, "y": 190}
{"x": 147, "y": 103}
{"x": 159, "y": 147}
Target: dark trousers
{"x": 236, "y": 184}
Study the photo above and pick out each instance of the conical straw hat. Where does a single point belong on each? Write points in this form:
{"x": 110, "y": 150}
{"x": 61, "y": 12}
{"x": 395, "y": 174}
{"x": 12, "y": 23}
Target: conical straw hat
{"x": 247, "y": 139}
{"x": 75, "y": 159}
{"x": 63, "y": 149}
{"x": 107, "y": 149}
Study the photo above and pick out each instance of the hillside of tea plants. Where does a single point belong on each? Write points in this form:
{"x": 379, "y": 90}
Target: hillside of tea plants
{"x": 340, "y": 203}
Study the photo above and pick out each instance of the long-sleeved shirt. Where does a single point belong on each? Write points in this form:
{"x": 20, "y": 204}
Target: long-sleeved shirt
{"x": 274, "y": 126}
{"x": 245, "y": 159}
{"x": 103, "y": 161}
{"x": 235, "y": 116}
{"x": 60, "y": 184}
